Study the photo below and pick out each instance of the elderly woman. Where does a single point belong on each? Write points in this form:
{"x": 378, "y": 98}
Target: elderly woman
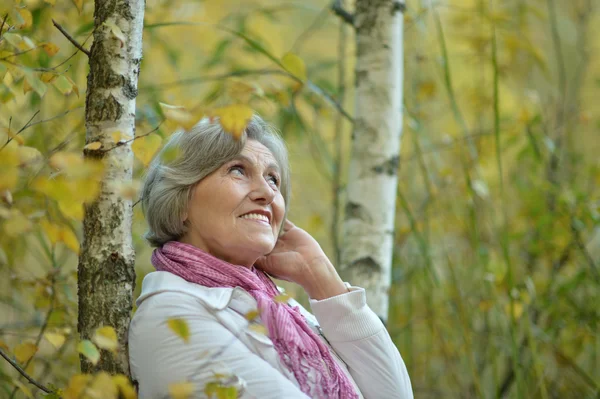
{"x": 217, "y": 215}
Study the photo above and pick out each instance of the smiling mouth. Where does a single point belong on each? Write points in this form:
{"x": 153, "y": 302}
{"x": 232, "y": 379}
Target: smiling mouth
{"x": 256, "y": 217}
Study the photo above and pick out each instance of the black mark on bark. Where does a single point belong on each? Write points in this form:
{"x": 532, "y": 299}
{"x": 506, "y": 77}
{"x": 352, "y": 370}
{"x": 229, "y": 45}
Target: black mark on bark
{"x": 366, "y": 266}
{"x": 389, "y": 167}
{"x": 357, "y": 211}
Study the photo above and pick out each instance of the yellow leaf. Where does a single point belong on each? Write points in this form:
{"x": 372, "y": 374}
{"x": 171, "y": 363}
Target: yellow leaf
{"x": 79, "y": 5}
{"x": 102, "y": 387}
{"x": 27, "y": 18}
{"x": 115, "y": 30}
{"x": 70, "y": 240}
{"x": 25, "y": 351}
{"x": 181, "y": 390}
{"x": 77, "y": 386}
{"x": 259, "y": 328}
{"x": 124, "y": 386}
{"x": 181, "y": 328}
{"x": 282, "y": 298}
{"x": 145, "y": 147}
{"x": 96, "y": 145}
{"x": 241, "y": 91}
{"x": 51, "y": 49}
{"x": 57, "y": 340}
{"x": 26, "y": 87}
{"x": 73, "y": 85}
{"x": 89, "y": 350}
{"x": 517, "y": 308}
{"x": 220, "y": 391}
{"x": 48, "y": 77}
{"x": 3, "y": 346}
{"x": 106, "y": 338}
{"x": 234, "y": 118}
{"x": 251, "y": 315}
{"x": 28, "y": 155}
{"x": 118, "y": 136}
{"x": 178, "y": 114}
{"x": 18, "y": 223}
{"x": 51, "y": 2}
{"x": 71, "y": 209}
{"x": 294, "y": 65}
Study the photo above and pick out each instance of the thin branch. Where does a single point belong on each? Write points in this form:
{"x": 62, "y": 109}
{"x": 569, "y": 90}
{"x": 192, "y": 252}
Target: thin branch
{"x": 43, "y": 329}
{"x": 74, "y": 54}
{"x": 120, "y": 143}
{"x": 23, "y": 373}
{"x": 25, "y": 126}
{"x": 29, "y": 124}
{"x": 3, "y": 22}
{"x": 203, "y": 79}
{"x": 339, "y": 130}
{"x": 339, "y": 10}
{"x": 321, "y": 17}
{"x": 18, "y": 53}
{"x": 69, "y": 38}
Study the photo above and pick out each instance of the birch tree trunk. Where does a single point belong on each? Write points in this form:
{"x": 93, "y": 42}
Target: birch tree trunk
{"x": 372, "y": 181}
{"x": 106, "y": 275}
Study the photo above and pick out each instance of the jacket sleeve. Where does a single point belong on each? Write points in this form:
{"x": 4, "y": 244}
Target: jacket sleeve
{"x": 359, "y": 337}
{"x": 159, "y": 357}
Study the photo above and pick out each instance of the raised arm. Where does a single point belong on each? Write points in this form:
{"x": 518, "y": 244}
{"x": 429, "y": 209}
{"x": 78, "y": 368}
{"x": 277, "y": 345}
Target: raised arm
{"x": 359, "y": 337}
{"x": 352, "y": 328}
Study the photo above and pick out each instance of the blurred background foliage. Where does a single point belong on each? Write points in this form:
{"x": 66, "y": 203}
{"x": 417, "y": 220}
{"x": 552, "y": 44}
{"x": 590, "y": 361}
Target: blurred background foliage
{"x": 496, "y": 279}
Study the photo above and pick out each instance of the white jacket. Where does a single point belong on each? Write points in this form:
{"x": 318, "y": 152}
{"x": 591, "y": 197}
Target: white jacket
{"x": 221, "y": 343}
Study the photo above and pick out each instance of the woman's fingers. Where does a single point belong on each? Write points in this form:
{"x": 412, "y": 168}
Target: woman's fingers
{"x": 287, "y": 226}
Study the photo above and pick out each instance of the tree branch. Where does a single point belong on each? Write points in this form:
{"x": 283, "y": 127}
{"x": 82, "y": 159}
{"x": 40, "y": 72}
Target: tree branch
{"x": 69, "y": 38}
{"x": 3, "y": 22}
{"x": 338, "y": 10}
{"x": 23, "y": 373}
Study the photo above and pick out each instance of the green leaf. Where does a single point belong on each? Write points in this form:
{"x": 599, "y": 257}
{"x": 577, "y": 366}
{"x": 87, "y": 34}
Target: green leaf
{"x": 63, "y": 85}
{"x": 89, "y": 350}
{"x": 14, "y": 39}
{"x": 35, "y": 83}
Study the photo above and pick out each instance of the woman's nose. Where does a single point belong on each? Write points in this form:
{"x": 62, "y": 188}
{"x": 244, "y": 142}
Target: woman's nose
{"x": 262, "y": 191}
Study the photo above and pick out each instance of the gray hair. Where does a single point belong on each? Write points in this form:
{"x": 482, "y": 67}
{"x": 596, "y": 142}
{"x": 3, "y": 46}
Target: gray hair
{"x": 197, "y": 153}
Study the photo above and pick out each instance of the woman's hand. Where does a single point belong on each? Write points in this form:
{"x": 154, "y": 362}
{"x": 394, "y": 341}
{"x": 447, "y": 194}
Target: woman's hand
{"x": 298, "y": 257}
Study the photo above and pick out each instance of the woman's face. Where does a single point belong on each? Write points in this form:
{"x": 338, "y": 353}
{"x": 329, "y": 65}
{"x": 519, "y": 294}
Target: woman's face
{"x": 236, "y": 212}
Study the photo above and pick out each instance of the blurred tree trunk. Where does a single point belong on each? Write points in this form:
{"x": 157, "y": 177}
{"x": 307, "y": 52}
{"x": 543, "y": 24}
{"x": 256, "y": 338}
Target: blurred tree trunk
{"x": 368, "y": 239}
{"x": 106, "y": 275}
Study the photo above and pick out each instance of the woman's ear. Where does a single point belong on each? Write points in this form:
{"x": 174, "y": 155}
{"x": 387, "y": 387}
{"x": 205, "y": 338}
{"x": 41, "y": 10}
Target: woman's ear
{"x": 184, "y": 217}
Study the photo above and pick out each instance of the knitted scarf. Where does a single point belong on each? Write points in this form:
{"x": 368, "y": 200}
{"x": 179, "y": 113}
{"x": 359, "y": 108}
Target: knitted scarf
{"x": 299, "y": 348}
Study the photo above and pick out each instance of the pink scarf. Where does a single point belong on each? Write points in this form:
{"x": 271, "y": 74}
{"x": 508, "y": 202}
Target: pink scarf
{"x": 299, "y": 348}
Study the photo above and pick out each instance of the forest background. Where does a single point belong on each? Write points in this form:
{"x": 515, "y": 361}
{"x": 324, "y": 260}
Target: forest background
{"x": 495, "y": 285}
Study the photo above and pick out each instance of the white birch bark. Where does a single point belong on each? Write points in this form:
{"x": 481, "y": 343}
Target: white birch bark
{"x": 368, "y": 237}
{"x": 106, "y": 275}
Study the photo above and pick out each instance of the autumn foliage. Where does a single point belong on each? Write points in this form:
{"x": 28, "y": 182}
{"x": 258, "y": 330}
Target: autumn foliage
{"x": 496, "y": 277}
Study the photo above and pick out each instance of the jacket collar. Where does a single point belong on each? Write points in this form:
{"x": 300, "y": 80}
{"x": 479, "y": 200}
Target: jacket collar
{"x": 217, "y": 298}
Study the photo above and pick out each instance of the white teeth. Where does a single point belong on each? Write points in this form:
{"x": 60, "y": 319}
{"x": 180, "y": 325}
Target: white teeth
{"x": 255, "y": 216}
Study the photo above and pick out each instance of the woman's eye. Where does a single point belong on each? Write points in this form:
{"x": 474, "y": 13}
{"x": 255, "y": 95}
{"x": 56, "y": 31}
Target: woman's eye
{"x": 274, "y": 179}
{"x": 237, "y": 169}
